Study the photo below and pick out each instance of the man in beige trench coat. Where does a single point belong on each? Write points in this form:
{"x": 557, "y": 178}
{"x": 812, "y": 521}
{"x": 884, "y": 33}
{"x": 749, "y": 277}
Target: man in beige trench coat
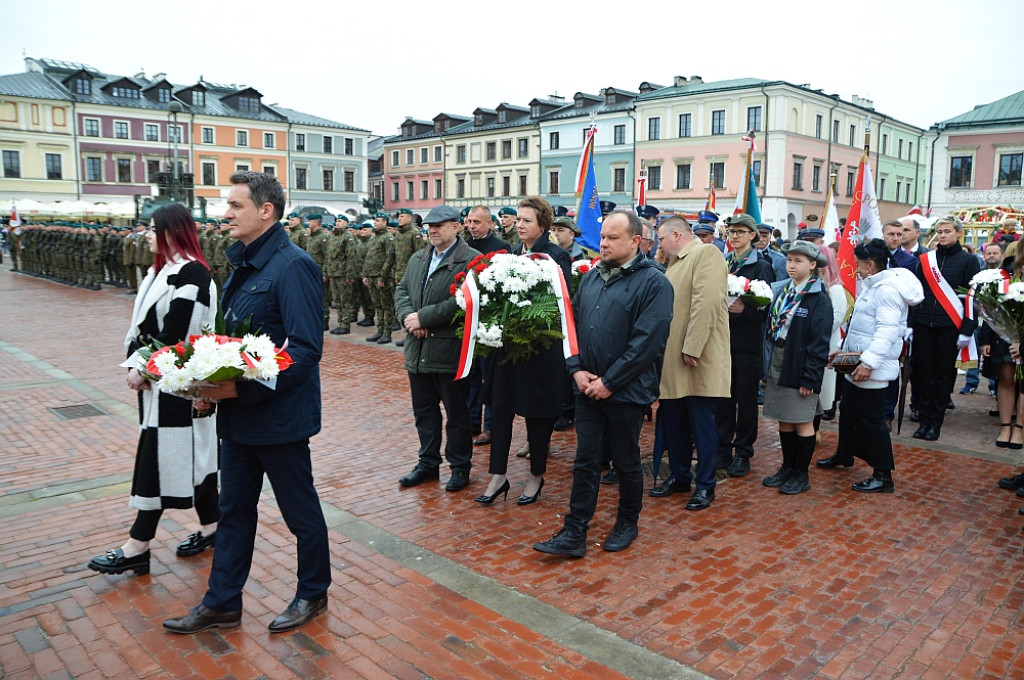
{"x": 697, "y": 361}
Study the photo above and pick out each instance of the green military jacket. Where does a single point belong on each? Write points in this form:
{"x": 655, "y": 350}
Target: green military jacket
{"x": 378, "y": 254}
{"x": 316, "y": 246}
{"x": 337, "y": 253}
{"x": 406, "y": 243}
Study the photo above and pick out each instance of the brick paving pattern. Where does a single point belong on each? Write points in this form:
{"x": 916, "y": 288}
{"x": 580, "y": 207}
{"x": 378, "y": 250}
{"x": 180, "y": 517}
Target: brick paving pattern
{"x": 924, "y": 583}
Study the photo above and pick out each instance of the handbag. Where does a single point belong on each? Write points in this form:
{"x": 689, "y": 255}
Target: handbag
{"x": 846, "y": 363}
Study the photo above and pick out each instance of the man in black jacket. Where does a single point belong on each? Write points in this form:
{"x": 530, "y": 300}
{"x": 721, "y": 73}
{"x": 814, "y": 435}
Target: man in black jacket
{"x": 940, "y": 325}
{"x": 623, "y": 309}
{"x": 737, "y": 415}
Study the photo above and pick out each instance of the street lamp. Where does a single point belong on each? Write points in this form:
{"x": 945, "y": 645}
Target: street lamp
{"x": 175, "y": 108}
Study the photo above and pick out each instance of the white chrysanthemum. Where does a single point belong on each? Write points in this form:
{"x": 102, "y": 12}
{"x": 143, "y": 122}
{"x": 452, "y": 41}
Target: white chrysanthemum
{"x": 166, "y": 362}
{"x": 204, "y": 345}
{"x": 986, "y": 276}
{"x": 523, "y": 303}
{"x": 514, "y": 298}
{"x": 175, "y": 380}
{"x": 1016, "y": 292}
{"x": 484, "y": 299}
{"x": 735, "y": 285}
{"x": 760, "y": 288}
{"x": 460, "y": 299}
{"x": 489, "y": 335}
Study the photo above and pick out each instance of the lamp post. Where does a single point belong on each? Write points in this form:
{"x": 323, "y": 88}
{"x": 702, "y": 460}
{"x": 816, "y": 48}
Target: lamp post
{"x": 175, "y": 108}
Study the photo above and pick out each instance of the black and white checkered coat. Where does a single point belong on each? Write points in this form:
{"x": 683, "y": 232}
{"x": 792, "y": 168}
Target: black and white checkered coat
{"x": 177, "y": 454}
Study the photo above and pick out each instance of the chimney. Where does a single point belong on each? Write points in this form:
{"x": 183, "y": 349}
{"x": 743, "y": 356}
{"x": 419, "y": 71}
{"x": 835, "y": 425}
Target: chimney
{"x": 696, "y": 79}
{"x": 140, "y": 74}
{"x": 159, "y": 76}
{"x": 679, "y": 80}
{"x": 861, "y": 101}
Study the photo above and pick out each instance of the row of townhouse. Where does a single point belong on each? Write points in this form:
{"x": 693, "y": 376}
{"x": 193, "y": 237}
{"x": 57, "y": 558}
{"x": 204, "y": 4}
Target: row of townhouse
{"x": 70, "y": 132}
{"x": 684, "y": 137}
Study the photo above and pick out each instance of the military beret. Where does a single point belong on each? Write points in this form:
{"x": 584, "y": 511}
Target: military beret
{"x": 314, "y": 216}
{"x": 225, "y": 222}
{"x": 343, "y": 217}
{"x": 211, "y": 220}
{"x": 568, "y": 222}
{"x": 404, "y": 211}
{"x": 508, "y": 211}
{"x": 703, "y": 228}
{"x": 380, "y": 215}
{"x": 743, "y": 220}
{"x": 707, "y": 216}
{"x": 293, "y": 214}
{"x": 441, "y": 213}
{"x": 494, "y": 218}
{"x": 392, "y": 223}
{"x": 465, "y": 211}
{"x": 647, "y": 211}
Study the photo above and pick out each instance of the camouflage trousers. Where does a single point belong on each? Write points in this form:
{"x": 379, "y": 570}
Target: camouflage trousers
{"x": 383, "y": 298}
{"x": 341, "y": 293}
{"x": 361, "y": 300}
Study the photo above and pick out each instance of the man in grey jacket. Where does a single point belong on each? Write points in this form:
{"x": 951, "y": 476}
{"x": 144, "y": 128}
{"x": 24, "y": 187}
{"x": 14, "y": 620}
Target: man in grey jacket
{"x": 425, "y": 307}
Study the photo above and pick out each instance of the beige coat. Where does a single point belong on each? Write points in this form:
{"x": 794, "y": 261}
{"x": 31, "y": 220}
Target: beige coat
{"x": 700, "y": 325}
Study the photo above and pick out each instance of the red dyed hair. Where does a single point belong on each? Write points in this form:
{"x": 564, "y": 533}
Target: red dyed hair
{"x": 174, "y": 225}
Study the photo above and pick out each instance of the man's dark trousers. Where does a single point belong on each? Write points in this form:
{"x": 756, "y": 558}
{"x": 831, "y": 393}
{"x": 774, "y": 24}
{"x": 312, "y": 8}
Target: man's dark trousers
{"x": 689, "y": 421}
{"x": 935, "y": 368}
{"x": 290, "y": 472}
{"x": 429, "y": 390}
{"x": 737, "y": 415}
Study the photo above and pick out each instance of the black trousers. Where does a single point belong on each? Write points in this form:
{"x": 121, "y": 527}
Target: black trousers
{"x": 862, "y": 429}
{"x": 934, "y": 359}
{"x": 538, "y": 436}
{"x": 429, "y": 391}
{"x": 605, "y": 426}
{"x": 290, "y": 471}
{"x": 737, "y": 416}
{"x": 144, "y": 527}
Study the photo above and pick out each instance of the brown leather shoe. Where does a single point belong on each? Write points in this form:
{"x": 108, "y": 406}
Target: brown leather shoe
{"x": 484, "y": 438}
{"x": 202, "y": 618}
{"x": 299, "y": 613}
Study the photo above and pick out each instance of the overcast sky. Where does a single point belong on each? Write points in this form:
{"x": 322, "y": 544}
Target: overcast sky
{"x": 371, "y": 64}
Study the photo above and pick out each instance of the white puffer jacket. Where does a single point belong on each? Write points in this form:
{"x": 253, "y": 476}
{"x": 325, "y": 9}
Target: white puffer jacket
{"x": 879, "y": 322}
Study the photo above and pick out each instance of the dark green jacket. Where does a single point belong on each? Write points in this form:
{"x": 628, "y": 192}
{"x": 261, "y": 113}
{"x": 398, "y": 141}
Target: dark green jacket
{"x": 436, "y": 307}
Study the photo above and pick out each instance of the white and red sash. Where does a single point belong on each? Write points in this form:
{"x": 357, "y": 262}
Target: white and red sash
{"x": 947, "y": 297}
{"x": 472, "y": 295}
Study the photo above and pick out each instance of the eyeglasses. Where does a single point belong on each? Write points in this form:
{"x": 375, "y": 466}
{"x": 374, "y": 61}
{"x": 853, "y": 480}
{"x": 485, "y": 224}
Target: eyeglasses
{"x": 738, "y": 232}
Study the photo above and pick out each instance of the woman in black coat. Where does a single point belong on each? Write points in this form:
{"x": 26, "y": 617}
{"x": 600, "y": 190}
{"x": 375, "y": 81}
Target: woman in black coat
{"x": 532, "y": 388}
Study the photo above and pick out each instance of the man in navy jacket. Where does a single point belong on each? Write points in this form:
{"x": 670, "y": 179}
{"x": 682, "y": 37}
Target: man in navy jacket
{"x": 265, "y": 426}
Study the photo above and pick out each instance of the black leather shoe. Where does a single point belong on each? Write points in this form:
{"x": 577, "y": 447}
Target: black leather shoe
{"x": 739, "y": 466}
{"x": 622, "y": 536}
{"x": 458, "y": 481}
{"x": 1020, "y": 492}
{"x": 915, "y": 415}
{"x": 299, "y": 613}
{"x": 672, "y": 486}
{"x": 366, "y": 323}
{"x": 399, "y": 343}
{"x": 919, "y": 432}
{"x": 701, "y": 499}
{"x": 114, "y": 562}
{"x": 563, "y": 543}
{"x": 931, "y": 434}
{"x": 341, "y": 330}
{"x": 1020, "y": 511}
{"x": 202, "y": 618}
{"x": 612, "y": 477}
{"x": 564, "y": 423}
{"x": 828, "y": 414}
{"x": 395, "y": 327}
{"x": 195, "y": 544}
{"x": 418, "y": 476}
{"x": 876, "y": 483}
{"x": 384, "y": 339}
{"x": 1011, "y": 483}
{"x": 373, "y": 338}
{"x": 833, "y": 461}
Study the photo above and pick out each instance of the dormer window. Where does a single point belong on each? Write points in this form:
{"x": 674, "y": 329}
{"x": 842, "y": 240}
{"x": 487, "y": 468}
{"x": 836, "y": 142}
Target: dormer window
{"x": 125, "y": 92}
{"x": 501, "y": 116}
{"x": 248, "y": 104}
{"x": 535, "y": 111}
{"x": 609, "y": 98}
{"x": 163, "y": 95}
{"x": 83, "y": 86}
{"x": 478, "y": 119}
{"x": 198, "y": 98}
{"x": 579, "y": 103}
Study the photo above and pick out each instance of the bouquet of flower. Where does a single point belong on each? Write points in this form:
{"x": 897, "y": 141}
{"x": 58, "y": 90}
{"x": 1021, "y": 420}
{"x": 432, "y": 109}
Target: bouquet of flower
{"x": 517, "y": 306}
{"x": 1000, "y": 302}
{"x": 579, "y": 268}
{"x": 211, "y": 358}
{"x": 752, "y": 291}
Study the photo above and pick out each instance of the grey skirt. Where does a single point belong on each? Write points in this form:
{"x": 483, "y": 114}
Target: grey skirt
{"x": 785, "y": 404}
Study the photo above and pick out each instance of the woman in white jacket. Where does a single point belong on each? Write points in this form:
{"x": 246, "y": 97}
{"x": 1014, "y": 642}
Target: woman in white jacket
{"x": 876, "y": 331}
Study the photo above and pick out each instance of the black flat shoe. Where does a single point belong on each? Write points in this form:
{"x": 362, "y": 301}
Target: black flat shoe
{"x": 701, "y": 499}
{"x": 114, "y": 562}
{"x": 503, "y": 490}
{"x": 833, "y": 461}
{"x": 418, "y": 476}
{"x": 299, "y": 613}
{"x": 527, "y": 500}
{"x": 202, "y": 618}
{"x": 195, "y": 544}
{"x": 874, "y": 484}
{"x": 672, "y": 486}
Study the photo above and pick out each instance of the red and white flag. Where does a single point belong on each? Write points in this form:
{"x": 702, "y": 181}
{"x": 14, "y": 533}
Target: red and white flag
{"x": 642, "y": 191}
{"x": 14, "y": 221}
{"x": 830, "y": 225}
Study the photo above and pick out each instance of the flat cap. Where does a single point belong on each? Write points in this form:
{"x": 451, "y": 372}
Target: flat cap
{"x": 441, "y": 213}
{"x": 807, "y": 249}
{"x": 743, "y": 220}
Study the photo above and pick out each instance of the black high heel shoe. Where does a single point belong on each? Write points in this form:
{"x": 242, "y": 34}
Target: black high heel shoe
{"x": 526, "y": 500}
{"x": 487, "y": 500}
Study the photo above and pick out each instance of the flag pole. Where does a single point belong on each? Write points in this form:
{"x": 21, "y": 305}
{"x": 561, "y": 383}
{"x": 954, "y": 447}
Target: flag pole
{"x": 746, "y": 175}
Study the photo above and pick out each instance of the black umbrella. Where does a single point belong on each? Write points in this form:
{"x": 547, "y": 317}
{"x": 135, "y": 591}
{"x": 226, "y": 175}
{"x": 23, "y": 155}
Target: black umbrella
{"x": 905, "y": 370}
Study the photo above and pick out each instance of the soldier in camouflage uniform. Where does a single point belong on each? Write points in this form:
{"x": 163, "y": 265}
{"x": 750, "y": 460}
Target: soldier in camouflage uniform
{"x": 296, "y": 233}
{"x": 376, "y": 275}
{"x": 407, "y": 242}
{"x": 354, "y": 273}
{"x": 338, "y": 247}
{"x": 14, "y": 247}
{"x": 508, "y": 232}
{"x": 316, "y": 246}
{"x": 220, "y": 241}
{"x": 143, "y": 255}
{"x": 205, "y": 237}
{"x": 129, "y": 258}
{"x": 93, "y": 258}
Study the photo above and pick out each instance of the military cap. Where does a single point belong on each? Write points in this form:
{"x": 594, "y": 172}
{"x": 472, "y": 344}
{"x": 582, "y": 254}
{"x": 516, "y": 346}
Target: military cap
{"x": 566, "y": 221}
{"x": 764, "y": 227}
{"x": 343, "y": 217}
{"x": 807, "y": 249}
{"x": 743, "y": 220}
{"x": 508, "y": 211}
{"x": 404, "y": 211}
{"x": 211, "y": 220}
{"x": 607, "y": 207}
{"x": 810, "y": 232}
{"x": 707, "y": 216}
{"x": 380, "y": 215}
{"x": 560, "y": 210}
{"x": 703, "y": 228}
{"x": 225, "y": 222}
{"x": 647, "y": 211}
{"x": 441, "y": 213}
{"x": 293, "y": 214}
{"x": 314, "y": 216}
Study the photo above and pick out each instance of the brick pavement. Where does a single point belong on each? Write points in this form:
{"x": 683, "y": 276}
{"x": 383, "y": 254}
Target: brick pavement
{"x": 831, "y": 584}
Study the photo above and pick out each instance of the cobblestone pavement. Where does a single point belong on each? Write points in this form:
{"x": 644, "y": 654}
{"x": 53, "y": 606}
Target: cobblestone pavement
{"x": 924, "y": 583}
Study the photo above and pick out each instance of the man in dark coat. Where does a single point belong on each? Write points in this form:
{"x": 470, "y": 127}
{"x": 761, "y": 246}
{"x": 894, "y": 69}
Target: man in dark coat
{"x": 426, "y": 309}
{"x": 623, "y": 309}
{"x": 265, "y": 426}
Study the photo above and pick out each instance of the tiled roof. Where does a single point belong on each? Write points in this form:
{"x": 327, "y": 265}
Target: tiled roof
{"x": 695, "y": 88}
{"x": 1001, "y": 112}
{"x": 301, "y": 118}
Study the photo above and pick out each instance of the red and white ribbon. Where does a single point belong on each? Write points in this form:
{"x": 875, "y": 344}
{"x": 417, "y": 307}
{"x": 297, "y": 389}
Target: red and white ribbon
{"x": 472, "y": 295}
{"x": 569, "y": 346}
{"x": 941, "y": 289}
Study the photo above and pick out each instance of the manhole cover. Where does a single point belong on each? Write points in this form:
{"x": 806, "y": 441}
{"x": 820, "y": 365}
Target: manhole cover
{"x": 77, "y": 411}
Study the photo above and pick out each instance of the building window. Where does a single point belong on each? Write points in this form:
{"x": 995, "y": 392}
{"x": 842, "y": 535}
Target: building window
{"x": 268, "y": 140}
{"x": 853, "y": 135}
{"x": 249, "y": 104}
{"x": 83, "y": 86}
{"x": 1009, "y": 169}
{"x": 350, "y": 181}
{"x": 395, "y": 156}
{"x": 754, "y": 118}
{"x": 506, "y": 186}
{"x": 502, "y": 116}
{"x": 270, "y": 170}
{"x": 410, "y": 156}
{"x": 716, "y": 173}
{"x": 818, "y": 120}
{"x": 242, "y": 167}
{"x": 207, "y": 135}
{"x": 152, "y": 133}
{"x": 349, "y": 146}
{"x": 907, "y": 199}
{"x": 653, "y": 178}
{"x": 524, "y": 147}
{"x": 424, "y": 155}
{"x": 654, "y": 128}
{"x": 851, "y": 181}
{"x": 910, "y": 152}
{"x": 553, "y": 182}
{"x": 885, "y": 145}
{"x": 881, "y": 188}
{"x": 53, "y": 166}
{"x": 620, "y": 134}
{"x": 506, "y": 148}
{"x": 125, "y": 92}
{"x": 93, "y": 169}
{"x": 328, "y": 180}
{"x": 460, "y": 153}
{"x": 492, "y": 151}
{"x": 300, "y": 178}
{"x": 152, "y": 167}
{"x": 198, "y": 98}
{"x": 618, "y": 179}
{"x": 328, "y": 144}
{"x": 685, "y": 125}
{"x": 534, "y": 111}
{"x": 120, "y": 129}
{"x": 899, "y": 148}
{"x": 798, "y": 176}
{"x": 816, "y": 178}
{"x": 835, "y": 131}
{"x": 12, "y": 164}
{"x": 241, "y": 138}
{"x": 755, "y": 170}
{"x": 522, "y": 185}
{"x": 408, "y": 191}
{"x": 300, "y": 142}
{"x": 92, "y": 127}
{"x": 960, "y": 171}
{"x": 394, "y": 191}
{"x": 718, "y": 122}
{"x": 437, "y": 188}
{"x": 209, "y": 174}
{"x": 553, "y": 141}
{"x": 163, "y": 95}
{"x": 899, "y": 187}
{"x": 683, "y": 176}
{"x": 438, "y": 153}
{"x": 424, "y": 184}
{"x": 490, "y": 187}
{"x": 460, "y": 188}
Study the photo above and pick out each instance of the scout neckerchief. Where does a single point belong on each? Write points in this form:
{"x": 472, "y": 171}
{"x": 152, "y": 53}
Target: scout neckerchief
{"x": 785, "y": 304}
{"x": 735, "y": 264}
